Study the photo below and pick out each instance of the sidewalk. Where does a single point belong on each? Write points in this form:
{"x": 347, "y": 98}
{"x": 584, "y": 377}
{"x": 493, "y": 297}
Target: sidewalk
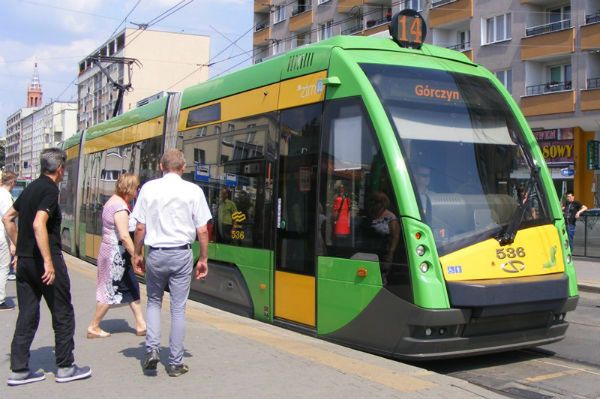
{"x": 588, "y": 274}
{"x": 229, "y": 357}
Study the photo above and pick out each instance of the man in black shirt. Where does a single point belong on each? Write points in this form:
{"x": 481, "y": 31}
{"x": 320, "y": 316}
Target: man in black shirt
{"x": 572, "y": 210}
{"x": 41, "y": 271}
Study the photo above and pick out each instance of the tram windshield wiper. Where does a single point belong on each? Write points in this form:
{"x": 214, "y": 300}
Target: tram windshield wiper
{"x": 508, "y": 236}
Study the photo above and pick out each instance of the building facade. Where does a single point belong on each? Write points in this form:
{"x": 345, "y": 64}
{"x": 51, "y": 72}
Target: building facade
{"x": 13, "y": 139}
{"x": 149, "y": 61}
{"x": 547, "y": 54}
{"x": 44, "y": 128}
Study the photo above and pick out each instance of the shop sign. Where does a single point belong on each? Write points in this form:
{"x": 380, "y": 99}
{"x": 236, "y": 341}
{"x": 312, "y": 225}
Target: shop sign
{"x": 567, "y": 172}
{"x": 593, "y": 155}
{"x": 557, "y": 151}
{"x": 202, "y": 172}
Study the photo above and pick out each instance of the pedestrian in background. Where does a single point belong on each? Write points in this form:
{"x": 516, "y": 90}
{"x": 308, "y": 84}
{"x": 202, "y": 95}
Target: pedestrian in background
{"x": 116, "y": 283}
{"x": 41, "y": 271}
{"x": 9, "y": 179}
{"x": 572, "y": 210}
{"x": 171, "y": 213}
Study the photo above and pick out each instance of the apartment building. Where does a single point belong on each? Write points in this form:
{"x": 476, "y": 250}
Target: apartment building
{"x": 547, "y": 54}
{"x": 44, "y": 128}
{"x": 143, "y": 62}
{"x": 13, "y": 139}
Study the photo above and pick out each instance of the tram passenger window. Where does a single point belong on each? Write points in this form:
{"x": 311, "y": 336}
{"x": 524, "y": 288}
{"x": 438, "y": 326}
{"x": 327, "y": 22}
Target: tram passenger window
{"x": 359, "y": 208}
{"x": 230, "y": 170}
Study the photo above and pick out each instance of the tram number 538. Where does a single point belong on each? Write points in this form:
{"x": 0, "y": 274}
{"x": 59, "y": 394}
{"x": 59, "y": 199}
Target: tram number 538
{"x": 510, "y": 253}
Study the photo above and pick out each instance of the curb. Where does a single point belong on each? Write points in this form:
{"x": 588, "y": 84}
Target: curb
{"x": 589, "y": 288}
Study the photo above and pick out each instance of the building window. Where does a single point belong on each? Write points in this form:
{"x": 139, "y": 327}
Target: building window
{"x": 278, "y": 47}
{"x": 464, "y": 40}
{"x": 199, "y": 156}
{"x": 559, "y": 77}
{"x": 505, "y": 77}
{"x": 559, "y": 14}
{"x": 412, "y": 4}
{"x": 326, "y": 30}
{"x": 280, "y": 13}
{"x": 497, "y": 29}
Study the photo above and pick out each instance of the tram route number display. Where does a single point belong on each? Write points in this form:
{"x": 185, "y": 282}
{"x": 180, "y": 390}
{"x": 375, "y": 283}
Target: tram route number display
{"x": 408, "y": 29}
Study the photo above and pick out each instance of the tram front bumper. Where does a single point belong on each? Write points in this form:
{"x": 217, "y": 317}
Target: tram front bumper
{"x": 396, "y": 328}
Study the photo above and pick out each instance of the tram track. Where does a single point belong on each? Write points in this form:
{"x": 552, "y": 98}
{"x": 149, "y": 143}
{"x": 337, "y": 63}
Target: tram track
{"x": 527, "y": 374}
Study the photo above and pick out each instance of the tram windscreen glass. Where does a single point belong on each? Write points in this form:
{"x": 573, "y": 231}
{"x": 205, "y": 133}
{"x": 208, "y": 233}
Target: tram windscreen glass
{"x": 465, "y": 151}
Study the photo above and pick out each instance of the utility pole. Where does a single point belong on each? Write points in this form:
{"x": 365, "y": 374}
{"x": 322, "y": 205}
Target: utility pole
{"x": 120, "y": 87}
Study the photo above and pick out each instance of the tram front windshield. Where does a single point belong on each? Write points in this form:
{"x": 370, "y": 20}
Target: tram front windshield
{"x": 465, "y": 152}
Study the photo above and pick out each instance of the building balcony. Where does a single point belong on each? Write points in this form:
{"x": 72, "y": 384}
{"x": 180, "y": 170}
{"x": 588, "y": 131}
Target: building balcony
{"x": 547, "y": 28}
{"x": 261, "y": 37}
{"x": 446, "y": 12}
{"x": 346, "y": 6}
{"x": 262, "y": 6}
{"x": 461, "y": 46}
{"x": 590, "y": 33}
{"x": 352, "y": 30}
{"x": 547, "y": 99}
{"x": 302, "y": 18}
{"x": 590, "y": 98}
{"x": 546, "y": 45}
{"x": 374, "y": 26}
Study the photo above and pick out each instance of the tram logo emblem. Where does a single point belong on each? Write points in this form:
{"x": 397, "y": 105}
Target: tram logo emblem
{"x": 513, "y": 266}
{"x": 238, "y": 216}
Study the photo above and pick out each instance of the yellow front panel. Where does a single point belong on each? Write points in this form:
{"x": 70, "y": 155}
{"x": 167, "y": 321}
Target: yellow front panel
{"x": 143, "y": 131}
{"x": 304, "y": 90}
{"x": 72, "y": 152}
{"x": 295, "y": 297}
{"x": 253, "y": 102}
{"x": 536, "y": 251}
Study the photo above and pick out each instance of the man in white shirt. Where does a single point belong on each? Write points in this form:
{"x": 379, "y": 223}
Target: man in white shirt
{"x": 9, "y": 179}
{"x": 170, "y": 214}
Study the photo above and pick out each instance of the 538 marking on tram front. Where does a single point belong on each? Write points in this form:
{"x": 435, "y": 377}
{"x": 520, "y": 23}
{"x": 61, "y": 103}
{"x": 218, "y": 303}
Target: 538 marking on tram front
{"x": 510, "y": 253}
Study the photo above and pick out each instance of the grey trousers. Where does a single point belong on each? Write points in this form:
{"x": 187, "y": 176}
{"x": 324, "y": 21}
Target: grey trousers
{"x": 172, "y": 268}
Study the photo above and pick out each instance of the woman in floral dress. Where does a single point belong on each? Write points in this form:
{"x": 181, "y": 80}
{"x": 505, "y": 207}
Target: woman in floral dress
{"x": 117, "y": 283}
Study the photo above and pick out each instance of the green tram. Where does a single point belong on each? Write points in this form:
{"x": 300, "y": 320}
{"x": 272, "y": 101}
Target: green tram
{"x": 384, "y": 196}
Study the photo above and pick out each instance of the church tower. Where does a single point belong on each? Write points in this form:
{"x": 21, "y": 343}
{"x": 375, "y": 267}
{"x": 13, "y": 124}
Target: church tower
{"x": 34, "y": 91}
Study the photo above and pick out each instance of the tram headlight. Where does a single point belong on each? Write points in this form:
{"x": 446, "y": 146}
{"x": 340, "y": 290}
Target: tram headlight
{"x": 569, "y": 258}
{"x": 566, "y": 243}
{"x": 424, "y": 267}
{"x": 420, "y": 250}
{"x": 428, "y": 331}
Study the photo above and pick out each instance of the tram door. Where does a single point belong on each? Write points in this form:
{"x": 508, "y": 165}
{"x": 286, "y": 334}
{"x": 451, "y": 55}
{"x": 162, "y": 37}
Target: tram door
{"x": 296, "y": 212}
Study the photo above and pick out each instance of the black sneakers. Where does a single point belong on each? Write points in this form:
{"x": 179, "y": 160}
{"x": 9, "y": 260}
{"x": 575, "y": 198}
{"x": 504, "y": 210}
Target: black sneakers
{"x": 6, "y": 306}
{"x": 151, "y": 360}
{"x": 67, "y": 374}
{"x": 177, "y": 370}
{"x": 25, "y": 377}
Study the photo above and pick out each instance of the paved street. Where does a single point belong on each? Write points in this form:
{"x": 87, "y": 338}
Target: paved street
{"x": 229, "y": 356}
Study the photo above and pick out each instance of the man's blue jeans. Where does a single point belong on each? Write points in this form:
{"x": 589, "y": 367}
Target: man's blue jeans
{"x": 571, "y": 234}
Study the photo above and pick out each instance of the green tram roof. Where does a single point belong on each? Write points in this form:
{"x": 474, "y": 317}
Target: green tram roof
{"x": 72, "y": 141}
{"x": 130, "y": 118}
{"x": 301, "y": 61}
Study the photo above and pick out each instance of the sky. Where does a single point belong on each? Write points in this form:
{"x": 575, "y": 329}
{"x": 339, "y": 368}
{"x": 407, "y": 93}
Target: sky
{"x": 59, "y": 34}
